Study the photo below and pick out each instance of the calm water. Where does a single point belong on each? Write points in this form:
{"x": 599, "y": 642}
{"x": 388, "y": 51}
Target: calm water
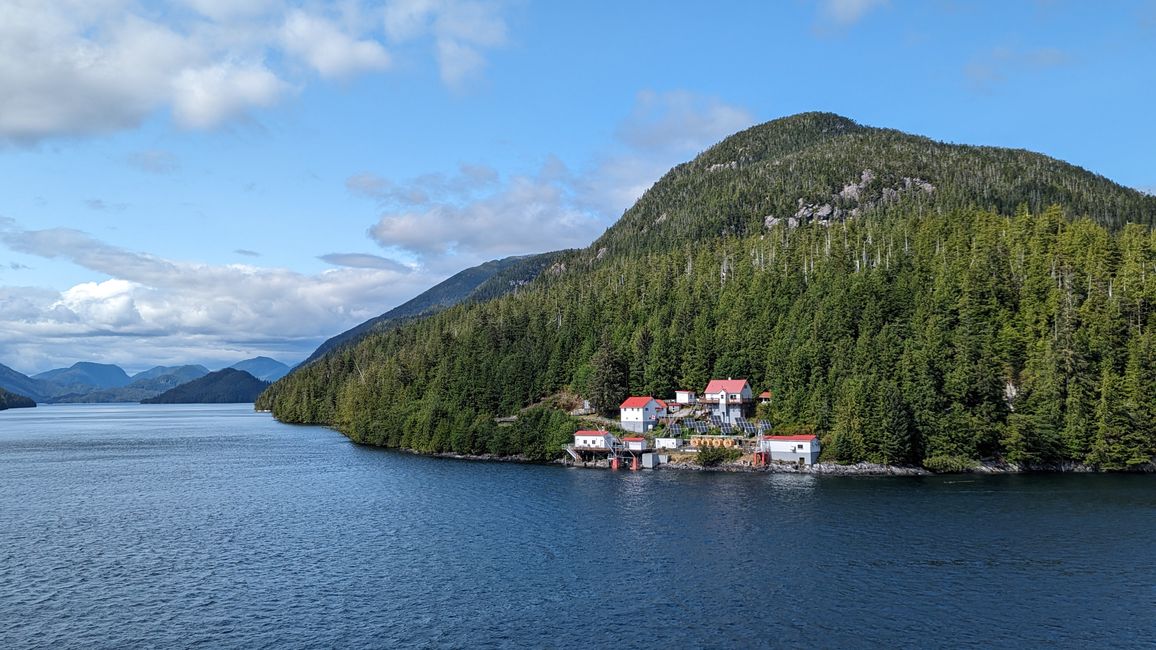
{"x": 214, "y": 526}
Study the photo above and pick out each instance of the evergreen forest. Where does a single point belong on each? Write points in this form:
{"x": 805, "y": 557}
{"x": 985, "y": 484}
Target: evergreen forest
{"x": 910, "y": 302}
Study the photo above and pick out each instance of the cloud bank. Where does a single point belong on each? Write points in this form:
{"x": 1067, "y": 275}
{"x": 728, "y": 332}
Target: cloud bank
{"x": 81, "y": 68}
{"x": 167, "y": 311}
{"x": 476, "y": 214}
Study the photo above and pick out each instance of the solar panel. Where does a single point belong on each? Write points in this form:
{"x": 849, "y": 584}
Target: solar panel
{"x": 700, "y": 426}
{"x": 747, "y": 427}
{"x": 675, "y": 429}
{"x": 716, "y": 420}
{"x": 740, "y": 420}
{"x": 726, "y": 429}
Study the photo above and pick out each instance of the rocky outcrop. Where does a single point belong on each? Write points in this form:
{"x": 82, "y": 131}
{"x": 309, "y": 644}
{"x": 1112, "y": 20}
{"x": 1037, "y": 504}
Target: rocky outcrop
{"x": 852, "y": 200}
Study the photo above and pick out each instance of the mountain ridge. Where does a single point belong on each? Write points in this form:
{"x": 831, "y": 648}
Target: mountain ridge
{"x": 482, "y": 282}
{"x": 225, "y": 386}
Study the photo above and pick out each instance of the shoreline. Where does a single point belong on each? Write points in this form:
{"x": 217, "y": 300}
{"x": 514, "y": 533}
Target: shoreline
{"x": 989, "y": 467}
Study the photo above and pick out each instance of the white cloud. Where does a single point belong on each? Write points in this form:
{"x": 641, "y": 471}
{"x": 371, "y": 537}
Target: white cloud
{"x": 329, "y": 50}
{"x": 364, "y": 261}
{"x": 844, "y": 13}
{"x": 425, "y": 188}
{"x": 76, "y": 67}
{"x": 153, "y": 310}
{"x": 206, "y": 97}
{"x": 476, "y": 215}
{"x": 460, "y": 30}
{"x": 528, "y": 215}
{"x": 222, "y": 10}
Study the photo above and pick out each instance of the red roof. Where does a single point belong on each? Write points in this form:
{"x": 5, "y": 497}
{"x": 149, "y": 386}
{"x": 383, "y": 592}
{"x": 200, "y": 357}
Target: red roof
{"x": 636, "y": 439}
{"x": 661, "y": 403}
{"x": 791, "y": 438}
{"x": 588, "y": 432}
{"x": 766, "y": 394}
{"x": 636, "y": 402}
{"x": 725, "y": 385}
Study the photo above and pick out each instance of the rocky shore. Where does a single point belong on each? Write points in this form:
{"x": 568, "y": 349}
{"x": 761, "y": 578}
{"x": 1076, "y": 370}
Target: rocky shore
{"x": 820, "y": 469}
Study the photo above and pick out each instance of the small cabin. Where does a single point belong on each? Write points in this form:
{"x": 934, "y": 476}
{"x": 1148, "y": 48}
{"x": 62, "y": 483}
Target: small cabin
{"x": 765, "y": 397}
{"x": 594, "y": 440}
{"x": 685, "y": 397}
{"x": 803, "y": 450}
{"x": 640, "y": 414}
{"x": 637, "y": 443}
{"x": 668, "y": 443}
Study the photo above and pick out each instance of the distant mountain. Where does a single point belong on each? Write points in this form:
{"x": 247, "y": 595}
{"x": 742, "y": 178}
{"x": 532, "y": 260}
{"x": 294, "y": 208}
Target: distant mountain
{"x": 188, "y": 372}
{"x": 85, "y": 373}
{"x": 22, "y": 384}
{"x": 263, "y": 368}
{"x": 226, "y": 386}
{"x": 13, "y": 401}
{"x": 483, "y": 282}
{"x": 149, "y": 383}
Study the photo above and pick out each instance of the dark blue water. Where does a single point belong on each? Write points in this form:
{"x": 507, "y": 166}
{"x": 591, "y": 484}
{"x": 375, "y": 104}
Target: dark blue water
{"x": 213, "y": 526}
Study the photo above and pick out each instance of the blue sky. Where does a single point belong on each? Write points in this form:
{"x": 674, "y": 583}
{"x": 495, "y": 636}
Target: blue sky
{"x": 201, "y": 181}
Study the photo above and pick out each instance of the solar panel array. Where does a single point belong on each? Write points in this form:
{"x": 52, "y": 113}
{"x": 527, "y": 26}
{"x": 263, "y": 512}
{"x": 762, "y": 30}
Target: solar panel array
{"x": 699, "y": 426}
{"x": 716, "y": 421}
{"x": 675, "y": 429}
{"x": 726, "y": 429}
{"x": 747, "y": 427}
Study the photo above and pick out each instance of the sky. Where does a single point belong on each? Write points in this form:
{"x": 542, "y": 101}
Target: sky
{"x": 203, "y": 181}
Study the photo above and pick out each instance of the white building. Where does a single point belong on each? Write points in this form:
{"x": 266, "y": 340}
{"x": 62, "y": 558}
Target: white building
{"x": 791, "y": 449}
{"x": 635, "y": 444}
{"x": 686, "y": 397}
{"x": 593, "y": 440}
{"x": 640, "y": 414}
{"x": 667, "y": 443}
{"x": 729, "y": 399}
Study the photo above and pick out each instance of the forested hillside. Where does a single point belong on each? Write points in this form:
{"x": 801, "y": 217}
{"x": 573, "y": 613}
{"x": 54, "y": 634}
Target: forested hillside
{"x": 886, "y": 288}
{"x": 483, "y": 282}
{"x": 226, "y": 386}
{"x": 14, "y": 401}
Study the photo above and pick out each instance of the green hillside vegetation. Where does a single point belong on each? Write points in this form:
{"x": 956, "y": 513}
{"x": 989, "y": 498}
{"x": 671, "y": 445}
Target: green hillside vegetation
{"x": 227, "y": 386}
{"x": 909, "y": 301}
{"x": 13, "y": 401}
{"x": 483, "y": 282}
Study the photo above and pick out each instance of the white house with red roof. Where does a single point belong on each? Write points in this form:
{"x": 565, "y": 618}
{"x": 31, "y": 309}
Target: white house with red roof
{"x": 640, "y": 414}
{"x": 791, "y": 449}
{"x": 593, "y": 440}
{"x": 729, "y": 399}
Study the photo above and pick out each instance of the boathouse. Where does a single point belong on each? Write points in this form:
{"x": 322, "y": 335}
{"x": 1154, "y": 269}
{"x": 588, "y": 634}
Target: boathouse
{"x": 640, "y": 414}
{"x": 728, "y": 399}
{"x": 803, "y": 450}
